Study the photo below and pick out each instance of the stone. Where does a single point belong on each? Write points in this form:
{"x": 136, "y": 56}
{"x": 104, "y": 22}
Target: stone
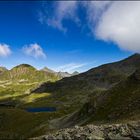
{"x": 102, "y": 132}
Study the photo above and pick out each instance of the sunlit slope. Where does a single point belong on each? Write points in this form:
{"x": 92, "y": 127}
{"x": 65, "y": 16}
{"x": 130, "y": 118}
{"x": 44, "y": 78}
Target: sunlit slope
{"x": 15, "y": 86}
{"x": 16, "y": 83}
{"x": 25, "y": 72}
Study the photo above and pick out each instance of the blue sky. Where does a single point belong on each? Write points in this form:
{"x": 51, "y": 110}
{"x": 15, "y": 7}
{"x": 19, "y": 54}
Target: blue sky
{"x": 66, "y": 36}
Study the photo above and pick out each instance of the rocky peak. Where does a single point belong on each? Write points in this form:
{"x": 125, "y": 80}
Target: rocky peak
{"x": 75, "y": 73}
{"x": 46, "y": 69}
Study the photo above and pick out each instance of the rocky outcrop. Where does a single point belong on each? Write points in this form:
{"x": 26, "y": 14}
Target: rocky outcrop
{"x": 64, "y": 74}
{"x": 128, "y": 131}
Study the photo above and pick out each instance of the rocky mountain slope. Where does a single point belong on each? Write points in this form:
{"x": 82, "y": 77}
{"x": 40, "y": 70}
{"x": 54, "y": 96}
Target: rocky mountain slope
{"x": 121, "y": 102}
{"x": 126, "y": 131}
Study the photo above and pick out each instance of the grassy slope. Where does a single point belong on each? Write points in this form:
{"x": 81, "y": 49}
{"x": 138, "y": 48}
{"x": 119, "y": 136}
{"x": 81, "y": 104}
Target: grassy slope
{"x": 17, "y": 123}
{"x": 15, "y": 86}
{"x": 71, "y": 93}
{"x": 121, "y": 102}
{"x": 21, "y": 79}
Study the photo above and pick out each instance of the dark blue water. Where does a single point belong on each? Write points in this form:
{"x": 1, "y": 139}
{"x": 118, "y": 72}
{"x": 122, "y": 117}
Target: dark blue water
{"x": 41, "y": 109}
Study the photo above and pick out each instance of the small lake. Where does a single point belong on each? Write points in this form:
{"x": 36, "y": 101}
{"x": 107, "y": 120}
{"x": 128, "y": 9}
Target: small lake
{"x": 41, "y": 109}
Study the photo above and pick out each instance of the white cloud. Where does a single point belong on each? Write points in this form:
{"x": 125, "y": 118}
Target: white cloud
{"x": 63, "y": 10}
{"x": 34, "y": 50}
{"x": 68, "y": 10}
{"x": 94, "y": 9}
{"x": 116, "y": 21}
{"x": 120, "y": 23}
{"x": 71, "y": 67}
{"x": 4, "y": 50}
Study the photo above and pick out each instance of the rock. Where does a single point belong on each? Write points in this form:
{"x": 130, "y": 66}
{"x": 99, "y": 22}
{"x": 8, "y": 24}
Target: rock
{"x": 127, "y": 131}
{"x": 77, "y": 137}
{"x": 49, "y": 137}
{"x": 76, "y": 127}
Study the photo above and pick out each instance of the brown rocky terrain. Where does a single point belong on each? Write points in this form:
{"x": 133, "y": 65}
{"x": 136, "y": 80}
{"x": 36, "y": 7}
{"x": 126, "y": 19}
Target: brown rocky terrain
{"x": 126, "y": 131}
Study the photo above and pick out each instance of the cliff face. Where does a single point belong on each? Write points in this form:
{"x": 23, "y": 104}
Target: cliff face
{"x": 128, "y": 131}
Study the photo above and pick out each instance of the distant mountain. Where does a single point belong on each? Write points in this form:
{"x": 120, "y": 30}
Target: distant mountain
{"x": 48, "y": 70}
{"x": 2, "y": 69}
{"x": 59, "y": 74}
{"x": 64, "y": 74}
{"x": 28, "y": 73}
{"x": 75, "y": 73}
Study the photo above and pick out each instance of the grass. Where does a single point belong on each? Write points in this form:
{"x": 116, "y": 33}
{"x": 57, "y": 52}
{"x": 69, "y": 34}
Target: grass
{"x": 34, "y": 96}
{"x": 117, "y": 104}
{"x": 18, "y": 123}
{"x": 15, "y": 86}
{"x": 27, "y": 74}
{"x": 120, "y": 102}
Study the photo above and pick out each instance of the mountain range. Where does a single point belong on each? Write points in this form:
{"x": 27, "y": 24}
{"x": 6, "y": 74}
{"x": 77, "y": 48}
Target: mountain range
{"x": 109, "y": 94}
{"x": 111, "y": 86}
{"x": 60, "y": 74}
{"x": 23, "y": 70}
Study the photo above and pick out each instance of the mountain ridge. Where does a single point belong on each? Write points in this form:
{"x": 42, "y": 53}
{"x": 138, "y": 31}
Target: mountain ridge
{"x": 106, "y": 94}
{"x": 27, "y": 67}
{"x": 78, "y": 90}
{"x": 103, "y": 76}
{"x": 118, "y": 102}
{"x": 27, "y": 72}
